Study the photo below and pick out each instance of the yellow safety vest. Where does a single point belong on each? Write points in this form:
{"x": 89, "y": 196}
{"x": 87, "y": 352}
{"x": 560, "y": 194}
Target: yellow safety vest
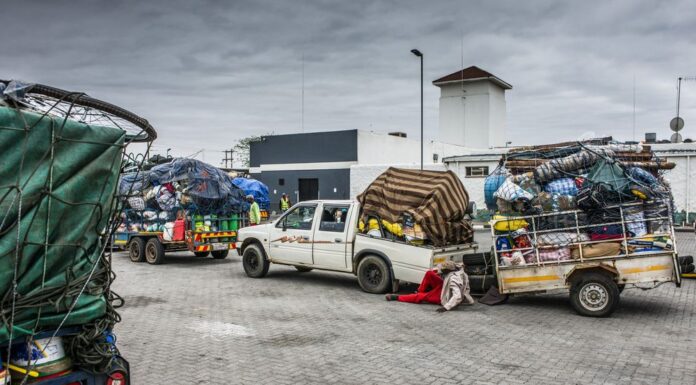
{"x": 284, "y": 204}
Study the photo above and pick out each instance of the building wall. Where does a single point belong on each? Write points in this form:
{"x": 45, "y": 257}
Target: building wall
{"x": 681, "y": 180}
{"x": 338, "y": 179}
{"x": 315, "y": 147}
{"x": 362, "y": 175}
{"x": 473, "y": 185}
{"x": 472, "y": 114}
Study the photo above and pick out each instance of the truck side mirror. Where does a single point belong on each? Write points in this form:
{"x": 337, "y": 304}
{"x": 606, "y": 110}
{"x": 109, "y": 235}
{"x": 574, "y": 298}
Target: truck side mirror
{"x": 285, "y": 225}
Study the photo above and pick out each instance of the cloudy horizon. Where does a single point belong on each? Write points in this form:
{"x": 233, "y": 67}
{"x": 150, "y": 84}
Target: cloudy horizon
{"x": 208, "y": 73}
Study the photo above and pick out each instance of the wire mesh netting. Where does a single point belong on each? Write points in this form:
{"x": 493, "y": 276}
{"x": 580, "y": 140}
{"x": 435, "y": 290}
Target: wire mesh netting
{"x": 579, "y": 200}
{"x": 61, "y": 154}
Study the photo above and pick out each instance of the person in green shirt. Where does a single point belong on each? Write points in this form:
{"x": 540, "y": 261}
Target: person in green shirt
{"x": 254, "y": 211}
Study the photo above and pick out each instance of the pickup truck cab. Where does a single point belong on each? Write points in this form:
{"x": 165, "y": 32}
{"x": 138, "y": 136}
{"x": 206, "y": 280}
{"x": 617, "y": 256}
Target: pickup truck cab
{"x": 324, "y": 235}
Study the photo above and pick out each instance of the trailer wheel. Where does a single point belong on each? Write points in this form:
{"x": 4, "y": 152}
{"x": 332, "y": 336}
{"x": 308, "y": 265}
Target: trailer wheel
{"x": 220, "y": 254}
{"x": 303, "y": 269}
{"x": 254, "y": 262}
{"x": 201, "y": 254}
{"x": 136, "y": 250}
{"x": 594, "y": 295}
{"x": 373, "y": 275}
{"x": 154, "y": 251}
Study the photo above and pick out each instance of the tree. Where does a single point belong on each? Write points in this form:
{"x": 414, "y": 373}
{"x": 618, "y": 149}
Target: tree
{"x": 241, "y": 149}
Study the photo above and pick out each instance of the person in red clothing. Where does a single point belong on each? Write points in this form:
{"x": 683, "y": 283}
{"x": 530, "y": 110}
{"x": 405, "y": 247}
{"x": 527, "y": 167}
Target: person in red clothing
{"x": 429, "y": 290}
{"x": 447, "y": 285}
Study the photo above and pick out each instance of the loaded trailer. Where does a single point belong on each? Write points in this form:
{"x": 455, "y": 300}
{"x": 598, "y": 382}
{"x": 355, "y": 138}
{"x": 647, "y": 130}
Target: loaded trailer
{"x": 216, "y": 238}
{"x": 558, "y": 258}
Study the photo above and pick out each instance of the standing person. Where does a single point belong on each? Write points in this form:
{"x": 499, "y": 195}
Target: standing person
{"x": 284, "y": 203}
{"x": 448, "y": 292}
{"x": 254, "y": 211}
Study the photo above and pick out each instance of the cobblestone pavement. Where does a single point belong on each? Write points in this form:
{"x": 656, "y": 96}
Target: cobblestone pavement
{"x": 202, "y": 321}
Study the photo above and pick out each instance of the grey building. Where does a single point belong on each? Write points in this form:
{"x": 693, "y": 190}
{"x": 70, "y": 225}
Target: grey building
{"x": 305, "y": 166}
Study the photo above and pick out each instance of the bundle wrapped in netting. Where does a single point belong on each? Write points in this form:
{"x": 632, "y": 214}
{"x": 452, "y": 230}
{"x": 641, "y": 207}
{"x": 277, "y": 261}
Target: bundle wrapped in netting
{"x": 181, "y": 184}
{"x": 575, "y": 192}
{"x": 58, "y": 208}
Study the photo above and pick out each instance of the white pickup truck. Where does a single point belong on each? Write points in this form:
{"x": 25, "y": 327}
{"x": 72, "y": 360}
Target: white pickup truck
{"x": 324, "y": 235}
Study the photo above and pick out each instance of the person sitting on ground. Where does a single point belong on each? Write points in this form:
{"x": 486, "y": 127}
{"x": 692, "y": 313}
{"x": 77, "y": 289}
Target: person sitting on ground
{"x": 448, "y": 292}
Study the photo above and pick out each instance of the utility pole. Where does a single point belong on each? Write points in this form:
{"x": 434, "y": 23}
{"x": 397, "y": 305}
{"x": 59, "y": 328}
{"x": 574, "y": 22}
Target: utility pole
{"x": 228, "y": 158}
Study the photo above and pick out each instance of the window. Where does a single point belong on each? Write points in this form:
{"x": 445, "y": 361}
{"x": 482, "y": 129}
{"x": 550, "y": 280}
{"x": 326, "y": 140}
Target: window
{"x": 281, "y": 182}
{"x": 299, "y": 218}
{"x": 333, "y": 218}
{"x": 476, "y": 171}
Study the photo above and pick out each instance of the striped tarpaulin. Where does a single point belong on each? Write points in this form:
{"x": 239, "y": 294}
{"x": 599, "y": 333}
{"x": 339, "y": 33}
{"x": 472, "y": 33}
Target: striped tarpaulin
{"x": 437, "y": 200}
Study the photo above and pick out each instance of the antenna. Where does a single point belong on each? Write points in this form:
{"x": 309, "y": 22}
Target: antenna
{"x": 302, "y": 112}
{"x": 634, "y": 107}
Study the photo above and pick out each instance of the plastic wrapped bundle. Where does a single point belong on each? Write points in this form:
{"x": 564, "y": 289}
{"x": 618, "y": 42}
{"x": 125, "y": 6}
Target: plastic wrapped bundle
{"x": 493, "y": 181}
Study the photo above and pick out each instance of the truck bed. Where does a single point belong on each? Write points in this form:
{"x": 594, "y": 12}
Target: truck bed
{"x": 409, "y": 262}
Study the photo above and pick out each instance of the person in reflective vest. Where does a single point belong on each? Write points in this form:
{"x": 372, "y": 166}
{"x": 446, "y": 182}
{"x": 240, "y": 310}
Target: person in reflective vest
{"x": 254, "y": 211}
{"x": 284, "y": 203}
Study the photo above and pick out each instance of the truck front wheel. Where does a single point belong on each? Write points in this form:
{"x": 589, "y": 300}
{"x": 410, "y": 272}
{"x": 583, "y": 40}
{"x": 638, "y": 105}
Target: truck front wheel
{"x": 373, "y": 275}
{"x": 154, "y": 251}
{"x": 136, "y": 250}
{"x": 254, "y": 262}
{"x": 594, "y": 295}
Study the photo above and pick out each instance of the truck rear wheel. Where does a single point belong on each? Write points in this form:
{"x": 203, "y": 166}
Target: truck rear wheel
{"x": 154, "y": 251}
{"x": 220, "y": 254}
{"x": 254, "y": 262}
{"x": 594, "y": 295}
{"x": 136, "y": 250}
{"x": 373, "y": 275}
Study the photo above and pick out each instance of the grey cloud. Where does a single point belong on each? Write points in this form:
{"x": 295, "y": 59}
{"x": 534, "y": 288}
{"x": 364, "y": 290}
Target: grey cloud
{"x": 206, "y": 73}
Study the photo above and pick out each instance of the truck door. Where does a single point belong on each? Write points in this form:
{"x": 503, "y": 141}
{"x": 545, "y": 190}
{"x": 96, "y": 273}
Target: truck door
{"x": 291, "y": 237}
{"x": 331, "y": 236}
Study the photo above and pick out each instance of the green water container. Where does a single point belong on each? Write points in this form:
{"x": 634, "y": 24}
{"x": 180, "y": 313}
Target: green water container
{"x": 224, "y": 226}
{"x": 234, "y": 223}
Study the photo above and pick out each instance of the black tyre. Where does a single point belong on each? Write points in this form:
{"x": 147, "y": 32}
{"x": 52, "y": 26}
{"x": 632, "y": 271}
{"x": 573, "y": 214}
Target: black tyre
{"x": 373, "y": 275}
{"x": 686, "y": 260}
{"x": 687, "y": 269}
{"x": 255, "y": 262}
{"x": 481, "y": 283}
{"x": 136, "y": 250}
{"x": 136, "y": 127}
{"x": 477, "y": 259}
{"x": 303, "y": 269}
{"x": 594, "y": 294}
{"x": 220, "y": 254}
{"x": 154, "y": 251}
{"x": 201, "y": 254}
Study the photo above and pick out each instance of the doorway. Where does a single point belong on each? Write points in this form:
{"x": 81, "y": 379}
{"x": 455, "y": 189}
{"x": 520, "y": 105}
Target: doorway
{"x": 308, "y": 189}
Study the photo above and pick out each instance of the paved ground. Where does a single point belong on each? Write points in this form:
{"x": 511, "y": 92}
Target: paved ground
{"x": 202, "y": 321}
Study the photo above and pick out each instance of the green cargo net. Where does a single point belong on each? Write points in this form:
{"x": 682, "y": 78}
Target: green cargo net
{"x": 58, "y": 208}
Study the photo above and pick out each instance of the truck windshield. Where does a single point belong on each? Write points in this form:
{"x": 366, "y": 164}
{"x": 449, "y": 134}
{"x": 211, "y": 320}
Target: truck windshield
{"x": 299, "y": 218}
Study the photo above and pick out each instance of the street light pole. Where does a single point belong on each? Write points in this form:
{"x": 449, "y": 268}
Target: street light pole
{"x": 420, "y": 55}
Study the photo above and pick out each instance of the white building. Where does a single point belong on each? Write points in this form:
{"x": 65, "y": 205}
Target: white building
{"x": 472, "y": 108}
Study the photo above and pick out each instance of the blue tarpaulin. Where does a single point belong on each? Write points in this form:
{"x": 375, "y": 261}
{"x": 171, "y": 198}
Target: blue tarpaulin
{"x": 208, "y": 186}
{"x": 256, "y": 189}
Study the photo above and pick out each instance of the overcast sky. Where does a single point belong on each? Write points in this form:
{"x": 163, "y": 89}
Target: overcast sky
{"x": 206, "y": 73}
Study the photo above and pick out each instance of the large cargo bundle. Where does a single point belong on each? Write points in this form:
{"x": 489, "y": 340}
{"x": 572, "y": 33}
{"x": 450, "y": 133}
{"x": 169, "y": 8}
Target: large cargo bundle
{"x": 432, "y": 202}
{"x": 180, "y": 186}
{"x": 61, "y": 154}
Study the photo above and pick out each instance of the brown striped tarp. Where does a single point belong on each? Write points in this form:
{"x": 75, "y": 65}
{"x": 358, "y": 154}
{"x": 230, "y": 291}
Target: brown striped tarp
{"x": 437, "y": 200}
